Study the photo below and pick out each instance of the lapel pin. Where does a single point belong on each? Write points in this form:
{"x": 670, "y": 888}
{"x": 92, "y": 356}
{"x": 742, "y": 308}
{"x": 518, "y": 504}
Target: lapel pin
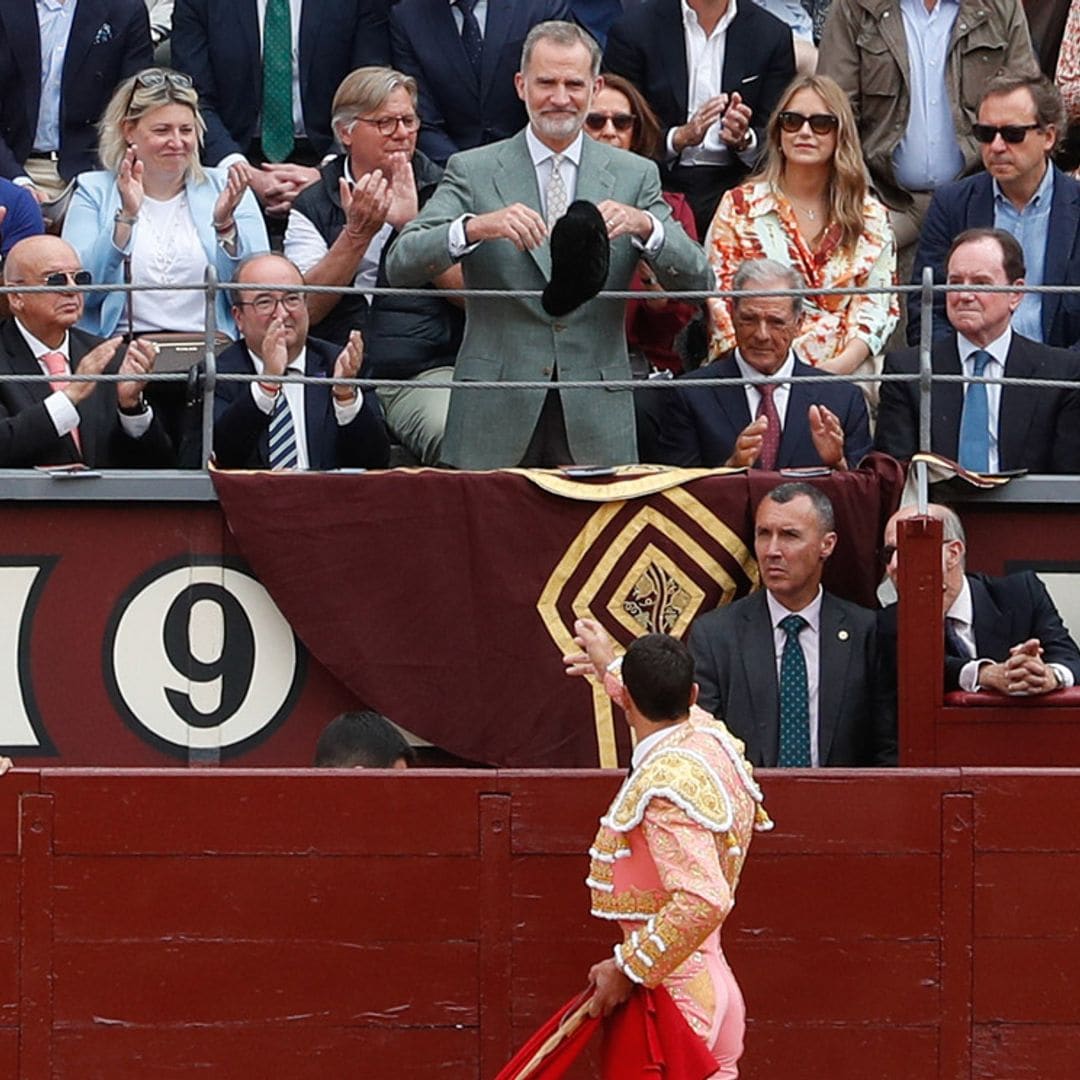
{"x": 842, "y": 635}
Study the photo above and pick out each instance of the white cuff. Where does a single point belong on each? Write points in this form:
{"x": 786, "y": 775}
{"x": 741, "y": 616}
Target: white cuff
{"x": 135, "y": 427}
{"x": 655, "y": 241}
{"x": 346, "y": 414}
{"x": 264, "y": 401}
{"x": 62, "y": 412}
{"x": 1064, "y": 674}
{"x": 456, "y": 243}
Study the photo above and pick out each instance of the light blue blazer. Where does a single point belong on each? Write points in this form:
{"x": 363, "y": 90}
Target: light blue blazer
{"x": 88, "y": 227}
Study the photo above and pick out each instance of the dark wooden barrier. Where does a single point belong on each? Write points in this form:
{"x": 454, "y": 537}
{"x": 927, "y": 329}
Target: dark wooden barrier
{"x": 964, "y": 729}
{"x": 902, "y": 924}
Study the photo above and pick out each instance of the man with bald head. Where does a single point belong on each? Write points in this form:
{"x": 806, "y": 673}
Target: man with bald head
{"x": 270, "y": 425}
{"x": 59, "y": 422}
{"x": 1002, "y": 634}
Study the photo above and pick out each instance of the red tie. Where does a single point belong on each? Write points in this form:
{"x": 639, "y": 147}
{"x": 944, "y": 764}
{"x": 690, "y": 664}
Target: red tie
{"x": 770, "y": 447}
{"x": 56, "y": 364}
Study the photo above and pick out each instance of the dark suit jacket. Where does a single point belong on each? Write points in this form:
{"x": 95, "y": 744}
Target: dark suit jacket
{"x": 968, "y": 204}
{"x": 1038, "y": 429}
{"x": 110, "y": 40}
{"x": 241, "y": 428}
{"x": 27, "y": 434}
{"x": 217, "y": 43}
{"x": 646, "y": 46}
{"x": 699, "y": 425}
{"x": 735, "y": 668}
{"x": 458, "y": 110}
{"x": 1007, "y": 611}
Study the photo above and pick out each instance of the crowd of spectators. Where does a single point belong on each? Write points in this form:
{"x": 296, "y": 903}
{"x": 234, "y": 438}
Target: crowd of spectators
{"x": 849, "y": 142}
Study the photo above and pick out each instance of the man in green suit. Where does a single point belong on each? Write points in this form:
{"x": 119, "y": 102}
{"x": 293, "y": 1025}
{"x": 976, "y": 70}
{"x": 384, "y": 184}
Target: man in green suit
{"x": 493, "y": 211}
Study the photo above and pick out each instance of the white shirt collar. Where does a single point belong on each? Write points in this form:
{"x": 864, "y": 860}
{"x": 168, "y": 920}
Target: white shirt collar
{"x": 39, "y": 348}
{"x": 689, "y": 16}
{"x": 540, "y": 151}
{"x": 752, "y": 373}
{"x": 963, "y": 609}
{"x": 998, "y": 349}
{"x": 650, "y": 742}
{"x": 811, "y": 613}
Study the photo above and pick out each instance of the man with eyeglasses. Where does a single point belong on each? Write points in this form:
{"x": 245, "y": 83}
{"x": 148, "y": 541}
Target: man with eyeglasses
{"x": 1002, "y": 634}
{"x": 56, "y": 421}
{"x": 913, "y": 70}
{"x": 60, "y": 61}
{"x": 987, "y": 427}
{"x": 338, "y": 233}
{"x": 1022, "y": 192}
{"x": 493, "y": 213}
{"x": 266, "y": 424}
{"x": 463, "y": 55}
{"x": 266, "y": 72}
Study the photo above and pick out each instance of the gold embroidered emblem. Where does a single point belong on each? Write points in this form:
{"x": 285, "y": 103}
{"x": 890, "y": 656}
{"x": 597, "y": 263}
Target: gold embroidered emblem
{"x": 658, "y": 598}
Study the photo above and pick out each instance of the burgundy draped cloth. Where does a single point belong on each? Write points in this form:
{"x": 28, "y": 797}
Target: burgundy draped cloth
{"x": 446, "y": 599}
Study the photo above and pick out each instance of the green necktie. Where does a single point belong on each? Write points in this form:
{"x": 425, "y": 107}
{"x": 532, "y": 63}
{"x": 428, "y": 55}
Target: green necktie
{"x": 277, "y": 118}
{"x": 794, "y": 698}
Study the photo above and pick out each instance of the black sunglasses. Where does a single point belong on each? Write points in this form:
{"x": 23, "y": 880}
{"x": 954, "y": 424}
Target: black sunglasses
{"x": 820, "y": 123}
{"x": 66, "y": 277}
{"x": 1011, "y": 133}
{"x": 595, "y": 121}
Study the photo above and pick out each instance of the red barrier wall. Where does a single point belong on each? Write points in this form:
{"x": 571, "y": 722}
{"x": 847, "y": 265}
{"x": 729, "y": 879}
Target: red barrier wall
{"x": 230, "y": 923}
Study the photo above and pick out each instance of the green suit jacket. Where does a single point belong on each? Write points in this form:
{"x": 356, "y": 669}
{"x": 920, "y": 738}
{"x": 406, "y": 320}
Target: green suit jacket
{"x": 513, "y": 339}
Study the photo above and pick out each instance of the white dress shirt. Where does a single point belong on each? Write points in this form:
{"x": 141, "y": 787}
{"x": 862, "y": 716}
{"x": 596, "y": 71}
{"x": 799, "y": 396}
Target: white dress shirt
{"x": 294, "y": 395}
{"x": 810, "y": 640}
{"x": 781, "y": 394}
{"x": 995, "y": 369}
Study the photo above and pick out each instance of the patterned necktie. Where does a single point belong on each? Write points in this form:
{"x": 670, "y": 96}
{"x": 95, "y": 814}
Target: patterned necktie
{"x": 556, "y": 192}
{"x": 954, "y": 643}
{"x": 770, "y": 446}
{"x": 975, "y": 420}
{"x": 794, "y": 698}
{"x": 283, "y": 453}
{"x": 56, "y": 363}
{"x": 277, "y": 118}
{"x": 471, "y": 38}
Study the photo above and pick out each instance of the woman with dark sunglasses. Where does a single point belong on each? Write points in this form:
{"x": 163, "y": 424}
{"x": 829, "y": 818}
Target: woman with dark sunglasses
{"x": 157, "y": 210}
{"x": 811, "y": 208}
{"x": 621, "y": 117}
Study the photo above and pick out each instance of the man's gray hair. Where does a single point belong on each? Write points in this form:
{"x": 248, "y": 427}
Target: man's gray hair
{"x": 561, "y": 33}
{"x": 823, "y": 507}
{"x": 759, "y": 274}
{"x": 951, "y": 526}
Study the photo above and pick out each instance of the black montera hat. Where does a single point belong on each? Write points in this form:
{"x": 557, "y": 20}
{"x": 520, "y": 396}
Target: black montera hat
{"x": 580, "y": 254}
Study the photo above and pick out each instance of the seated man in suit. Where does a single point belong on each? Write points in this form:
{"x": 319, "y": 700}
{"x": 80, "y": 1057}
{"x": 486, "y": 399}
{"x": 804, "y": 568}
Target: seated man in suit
{"x": 1019, "y": 123}
{"x": 463, "y": 62}
{"x": 493, "y": 212}
{"x": 259, "y": 425}
{"x": 792, "y": 670}
{"x": 984, "y": 427}
{"x": 266, "y": 71}
{"x": 101, "y": 425}
{"x": 59, "y": 64}
{"x": 794, "y": 424}
{"x": 1002, "y": 634}
{"x": 713, "y": 107}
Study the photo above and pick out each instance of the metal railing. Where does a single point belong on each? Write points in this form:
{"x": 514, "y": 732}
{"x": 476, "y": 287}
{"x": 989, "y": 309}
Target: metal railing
{"x": 925, "y": 376}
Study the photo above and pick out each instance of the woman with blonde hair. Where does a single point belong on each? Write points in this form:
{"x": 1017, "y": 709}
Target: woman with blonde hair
{"x": 811, "y": 208}
{"x": 156, "y": 208}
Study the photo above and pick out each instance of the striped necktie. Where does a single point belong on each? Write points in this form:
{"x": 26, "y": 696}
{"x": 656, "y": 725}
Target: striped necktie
{"x": 283, "y": 454}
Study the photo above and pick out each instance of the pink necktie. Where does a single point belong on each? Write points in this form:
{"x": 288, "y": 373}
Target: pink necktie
{"x": 56, "y": 364}
{"x": 770, "y": 447}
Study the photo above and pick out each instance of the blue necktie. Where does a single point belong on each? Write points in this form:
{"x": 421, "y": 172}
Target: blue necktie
{"x": 283, "y": 453}
{"x": 471, "y": 37}
{"x": 794, "y": 698}
{"x": 975, "y": 420}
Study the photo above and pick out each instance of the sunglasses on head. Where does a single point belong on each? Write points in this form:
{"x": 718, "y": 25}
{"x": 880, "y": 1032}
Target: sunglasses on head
{"x": 595, "y": 121}
{"x": 1011, "y": 133}
{"x": 154, "y": 79}
{"x": 68, "y": 277}
{"x": 820, "y": 123}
